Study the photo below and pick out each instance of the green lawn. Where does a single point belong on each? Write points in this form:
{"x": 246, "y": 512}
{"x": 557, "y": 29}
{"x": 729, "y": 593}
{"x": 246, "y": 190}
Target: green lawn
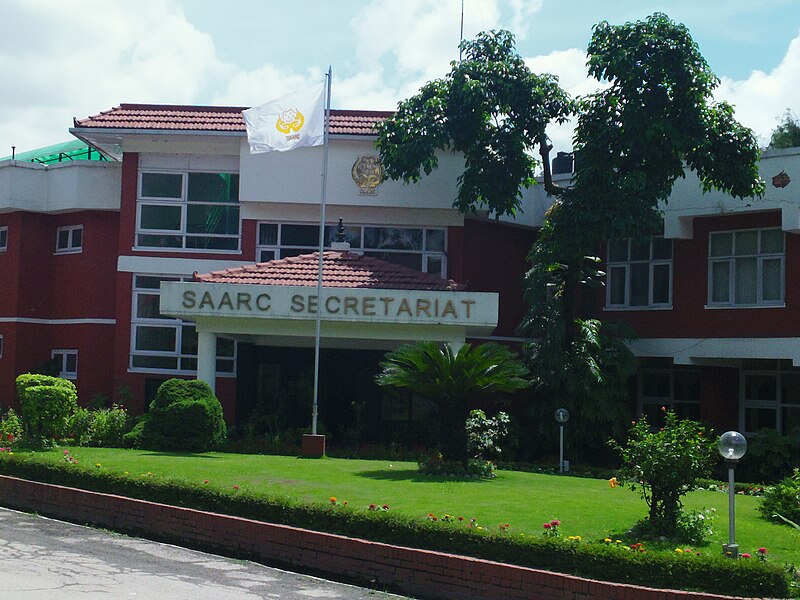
{"x": 586, "y": 507}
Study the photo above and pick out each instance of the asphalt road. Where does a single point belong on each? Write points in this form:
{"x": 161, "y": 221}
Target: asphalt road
{"x": 51, "y": 560}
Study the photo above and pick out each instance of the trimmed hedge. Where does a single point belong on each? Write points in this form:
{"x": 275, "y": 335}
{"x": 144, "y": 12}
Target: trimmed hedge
{"x": 47, "y": 403}
{"x": 184, "y": 416}
{"x": 714, "y": 574}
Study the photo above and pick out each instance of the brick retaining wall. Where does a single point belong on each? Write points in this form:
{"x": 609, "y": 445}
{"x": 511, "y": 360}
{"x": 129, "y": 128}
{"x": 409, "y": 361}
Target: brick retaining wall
{"x": 433, "y": 575}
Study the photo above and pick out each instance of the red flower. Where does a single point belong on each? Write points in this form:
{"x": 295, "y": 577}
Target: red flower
{"x": 745, "y": 555}
{"x": 762, "y": 551}
{"x": 235, "y": 486}
{"x": 547, "y": 525}
{"x": 385, "y": 507}
{"x": 555, "y": 522}
{"x": 373, "y": 507}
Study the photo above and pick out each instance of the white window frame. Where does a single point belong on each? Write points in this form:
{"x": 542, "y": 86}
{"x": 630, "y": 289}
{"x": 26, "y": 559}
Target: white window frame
{"x": 776, "y": 404}
{"x": 731, "y": 261}
{"x": 72, "y": 246}
{"x": 669, "y": 402}
{"x": 3, "y": 238}
{"x": 278, "y": 248}
{"x": 627, "y": 266}
{"x": 184, "y": 204}
{"x": 63, "y": 355}
{"x": 177, "y": 325}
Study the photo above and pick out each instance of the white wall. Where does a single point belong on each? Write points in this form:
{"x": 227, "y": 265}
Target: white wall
{"x": 687, "y": 199}
{"x": 61, "y": 187}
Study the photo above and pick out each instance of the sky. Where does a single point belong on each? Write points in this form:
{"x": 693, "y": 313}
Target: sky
{"x": 60, "y": 60}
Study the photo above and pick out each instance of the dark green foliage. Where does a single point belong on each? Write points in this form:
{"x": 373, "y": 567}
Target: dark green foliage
{"x": 655, "y": 117}
{"x": 787, "y": 133}
{"x": 665, "y": 465}
{"x": 491, "y": 109}
{"x": 184, "y": 416}
{"x": 47, "y": 403}
{"x": 770, "y": 457}
{"x": 709, "y": 572}
{"x": 783, "y": 499}
{"x": 453, "y": 381}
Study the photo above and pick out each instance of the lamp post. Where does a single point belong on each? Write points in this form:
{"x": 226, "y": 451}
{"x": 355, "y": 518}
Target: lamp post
{"x": 562, "y": 416}
{"x": 732, "y": 445}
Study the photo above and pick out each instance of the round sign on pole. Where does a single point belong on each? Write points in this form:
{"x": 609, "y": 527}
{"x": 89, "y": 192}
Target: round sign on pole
{"x": 562, "y": 415}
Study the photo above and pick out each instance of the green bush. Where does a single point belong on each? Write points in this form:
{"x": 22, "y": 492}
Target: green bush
{"x": 47, "y": 403}
{"x": 783, "y": 499}
{"x": 770, "y": 457}
{"x": 707, "y": 572}
{"x": 11, "y": 429}
{"x": 184, "y": 416}
{"x": 104, "y": 427}
{"x": 664, "y": 465}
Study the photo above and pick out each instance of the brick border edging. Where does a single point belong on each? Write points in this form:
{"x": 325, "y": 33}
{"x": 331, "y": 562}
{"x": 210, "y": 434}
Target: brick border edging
{"x": 412, "y": 571}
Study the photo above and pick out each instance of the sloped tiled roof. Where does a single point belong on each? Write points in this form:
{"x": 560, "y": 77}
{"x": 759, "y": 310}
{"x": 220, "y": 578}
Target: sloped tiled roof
{"x": 340, "y": 270}
{"x": 213, "y": 118}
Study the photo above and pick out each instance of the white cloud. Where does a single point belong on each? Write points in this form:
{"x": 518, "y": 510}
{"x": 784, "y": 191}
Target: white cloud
{"x": 763, "y": 97}
{"x": 75, "y": 59}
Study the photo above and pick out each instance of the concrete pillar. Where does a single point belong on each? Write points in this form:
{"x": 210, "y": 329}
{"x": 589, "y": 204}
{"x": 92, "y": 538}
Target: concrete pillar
{"x": 207, "y": 358}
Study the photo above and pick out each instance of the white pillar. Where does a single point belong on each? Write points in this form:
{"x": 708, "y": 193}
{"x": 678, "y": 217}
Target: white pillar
{"x": 455, "y": 345}
{"x": 207, "y": 358}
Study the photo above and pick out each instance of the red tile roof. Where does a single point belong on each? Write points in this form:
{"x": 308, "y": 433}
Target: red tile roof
{"x": 213, "y": 118}
{"x": 340, "y": 270}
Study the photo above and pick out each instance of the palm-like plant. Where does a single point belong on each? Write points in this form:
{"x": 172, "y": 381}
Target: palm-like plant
{"x": 452, "y": 381}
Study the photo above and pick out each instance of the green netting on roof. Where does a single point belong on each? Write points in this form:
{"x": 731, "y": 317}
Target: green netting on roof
{"x": 66, "y": 151}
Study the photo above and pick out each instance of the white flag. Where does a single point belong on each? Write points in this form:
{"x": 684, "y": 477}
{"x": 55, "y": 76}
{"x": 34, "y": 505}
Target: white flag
{"x": 293, "y": 121}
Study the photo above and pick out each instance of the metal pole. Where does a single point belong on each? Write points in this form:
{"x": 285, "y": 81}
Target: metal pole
{"x": 561, "y": 450}
{"x": 315, "y": 404}
{"x": 731, "y": 509}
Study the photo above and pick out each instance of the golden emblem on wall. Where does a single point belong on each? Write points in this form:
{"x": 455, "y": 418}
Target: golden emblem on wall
{"x": 367, "y": 173}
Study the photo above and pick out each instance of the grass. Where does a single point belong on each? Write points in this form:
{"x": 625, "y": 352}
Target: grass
{"x": 586, "y": 507}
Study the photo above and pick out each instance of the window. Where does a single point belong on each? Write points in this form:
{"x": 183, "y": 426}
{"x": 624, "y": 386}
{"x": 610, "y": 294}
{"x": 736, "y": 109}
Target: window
{"x": 66, "y": 361}
{"x": 745, "y": 268}
{"x": 639, "y": 273}
{"x": 422, "y": 249}
{"x": 770, "y": 396}
{"x": 160, "y": 343}
{"x": 3, "y": 238}
{"x": 69, "y": 240}
{"x": 188, "y": 211}
{"x": 674, "y": 388}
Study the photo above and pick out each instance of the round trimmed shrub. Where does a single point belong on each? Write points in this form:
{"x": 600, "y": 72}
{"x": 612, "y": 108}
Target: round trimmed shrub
{"x": 184, "y": 416}
{"x": 47, "y": 404}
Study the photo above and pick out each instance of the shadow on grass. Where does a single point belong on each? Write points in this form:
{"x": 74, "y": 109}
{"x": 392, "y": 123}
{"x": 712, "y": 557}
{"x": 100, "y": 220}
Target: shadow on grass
{"x": 179, "y": 454}
{"x": 413, "y": 475}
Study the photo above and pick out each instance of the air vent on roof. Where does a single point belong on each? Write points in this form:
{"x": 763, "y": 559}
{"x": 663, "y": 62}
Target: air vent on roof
{"x": 563, "y": 163}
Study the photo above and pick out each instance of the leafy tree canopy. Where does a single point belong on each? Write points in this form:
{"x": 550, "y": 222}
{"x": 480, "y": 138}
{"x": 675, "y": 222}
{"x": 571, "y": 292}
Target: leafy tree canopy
{"x": 491, "y": 109}
{"x": 787, "y": 133}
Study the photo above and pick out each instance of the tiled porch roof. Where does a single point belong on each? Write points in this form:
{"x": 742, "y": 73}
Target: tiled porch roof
{"x": 340, "y": 270}
{"x": 214, "y": 118}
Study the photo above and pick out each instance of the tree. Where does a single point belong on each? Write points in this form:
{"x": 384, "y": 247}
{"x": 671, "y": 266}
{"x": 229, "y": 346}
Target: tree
{"x": 665, "y": 465}
{"x": 633, "y": 139}
{"x": 452, "y": 382}
{"x": 787, "y": 133}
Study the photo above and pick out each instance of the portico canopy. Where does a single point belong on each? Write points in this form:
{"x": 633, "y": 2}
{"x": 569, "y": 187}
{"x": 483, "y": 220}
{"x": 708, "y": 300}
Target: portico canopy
{"x": 365, "y": 303}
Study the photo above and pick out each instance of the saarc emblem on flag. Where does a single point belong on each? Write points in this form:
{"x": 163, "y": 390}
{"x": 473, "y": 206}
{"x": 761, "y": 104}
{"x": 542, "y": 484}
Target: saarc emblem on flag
{"x": 290, "y": 120}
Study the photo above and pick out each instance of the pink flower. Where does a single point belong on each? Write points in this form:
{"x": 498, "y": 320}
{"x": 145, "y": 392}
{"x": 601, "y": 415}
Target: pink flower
{"x": 745, "y": 555}
{"x": 66, "y": 451}
{"x": 547, "y": 525}
{"x": 762, "y": 550}
{"x": 555, "y": 522}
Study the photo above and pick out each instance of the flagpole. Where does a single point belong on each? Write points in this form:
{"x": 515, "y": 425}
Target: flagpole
{"x": 322, "y": 220}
